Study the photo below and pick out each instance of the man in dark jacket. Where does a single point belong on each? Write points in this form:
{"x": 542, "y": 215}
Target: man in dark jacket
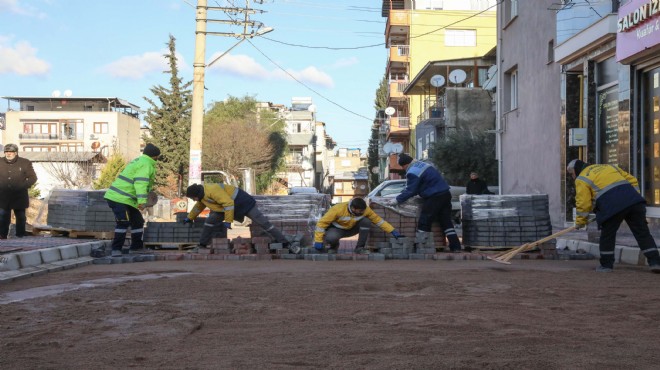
{"x": 424, "y": 180}
{"x": 476, "y": 185}
{"x": 613, "y": 194}
{"x": 16, "y": 177}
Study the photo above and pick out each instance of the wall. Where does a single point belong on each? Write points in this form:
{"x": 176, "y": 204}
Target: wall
{"x": 531, "y": 139}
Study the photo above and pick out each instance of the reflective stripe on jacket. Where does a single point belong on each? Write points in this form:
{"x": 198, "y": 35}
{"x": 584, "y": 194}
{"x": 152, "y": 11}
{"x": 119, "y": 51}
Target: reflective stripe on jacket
{"x": 340, "y": 217}
{"x": 133, "y": 184}
{"x": 606, "y": 190}
{"x": 424, "y": 180}
{"x": 223, "y": 198}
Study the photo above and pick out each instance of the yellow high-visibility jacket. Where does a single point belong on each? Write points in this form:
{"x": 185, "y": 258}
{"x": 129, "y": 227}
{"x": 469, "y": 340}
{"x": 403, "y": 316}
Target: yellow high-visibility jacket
{"x": 606, "y": 190}
{"x": 340, "y": 217}
{"x": 224, "y": 198}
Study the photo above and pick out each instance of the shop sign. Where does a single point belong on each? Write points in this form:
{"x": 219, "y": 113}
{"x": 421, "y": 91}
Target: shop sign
{"x": 638, "y": 27}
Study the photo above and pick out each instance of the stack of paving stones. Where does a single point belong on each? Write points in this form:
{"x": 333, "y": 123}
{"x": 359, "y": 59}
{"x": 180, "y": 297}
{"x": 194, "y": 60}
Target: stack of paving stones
{"x": 173, "y": 232}
{"x": 83, "y": 210}
{"x": 504, "y": 220}
{"x": 404, "y": 219}
{"x": 292, "y": 214}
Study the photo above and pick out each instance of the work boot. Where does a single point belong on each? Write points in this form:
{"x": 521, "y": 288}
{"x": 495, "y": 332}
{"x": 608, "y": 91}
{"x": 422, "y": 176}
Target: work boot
{"x": 655, "y": 268}
{"x": 604, "y": 269}
{"x": 361, "y": 250}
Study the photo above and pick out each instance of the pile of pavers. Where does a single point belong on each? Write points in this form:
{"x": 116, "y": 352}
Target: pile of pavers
{"x": 404, "y": 218}
{"x": 173, "y": 232}
{"x": 292, "y": 214}
{"x": 504, "y": 220}
{"x": 79, "y": 210}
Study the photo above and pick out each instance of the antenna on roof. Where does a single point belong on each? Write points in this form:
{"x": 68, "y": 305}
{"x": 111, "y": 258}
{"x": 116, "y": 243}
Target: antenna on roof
{"x": 68, "y": 93}
{"x": 56, "y": 94}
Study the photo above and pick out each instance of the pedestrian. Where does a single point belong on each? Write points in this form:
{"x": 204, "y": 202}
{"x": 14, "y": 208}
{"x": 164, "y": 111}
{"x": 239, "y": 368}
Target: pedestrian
{"x": 476, "y": 185}
{"x": 347, "y": 219}
{"x": 128, "y": 196}
{"x": 613, "y": 194}
{"x": 16, "y": 177}
{"x": 228, "y": 203}
{"x": 424, "y": 180}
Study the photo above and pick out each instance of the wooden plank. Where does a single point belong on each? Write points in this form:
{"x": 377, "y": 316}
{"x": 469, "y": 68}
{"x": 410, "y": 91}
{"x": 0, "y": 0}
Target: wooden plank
{"x": 171, "y": 245}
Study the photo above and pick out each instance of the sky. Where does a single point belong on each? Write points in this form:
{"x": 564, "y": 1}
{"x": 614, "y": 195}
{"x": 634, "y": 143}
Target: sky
{"x": 331, "y": 51}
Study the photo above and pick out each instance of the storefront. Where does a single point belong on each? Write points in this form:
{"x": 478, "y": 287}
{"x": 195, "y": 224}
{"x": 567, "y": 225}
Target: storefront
{"x": 638, "y": 46}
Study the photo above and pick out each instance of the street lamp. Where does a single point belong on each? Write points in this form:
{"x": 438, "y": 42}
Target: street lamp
{"x": 197, "y": 114}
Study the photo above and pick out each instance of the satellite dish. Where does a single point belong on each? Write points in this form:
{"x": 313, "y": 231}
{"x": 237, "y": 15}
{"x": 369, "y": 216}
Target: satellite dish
{"x": 68, "y": 93}
{"x": 387, "y": 148}
{"x": 437, "y": 80}
{"x": 390, "y": 111}
{"x": 457, "y": 76}
{"x": 56, "y": 94}
{"x": 312, "y": 108}
{"x": 491, "y": 71}
{"x": 374, "y": 170}
{"x": 397, "y": 148}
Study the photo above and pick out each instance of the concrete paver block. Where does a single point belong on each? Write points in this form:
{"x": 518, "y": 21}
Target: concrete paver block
{"x": 50, "y": 255}
{"x": 11, "y": 263}
{"x": 69, "y": 252}
{"x": 632, "y": 256}
{"x": 29, "y": 258}
{"x": 51, "y": 268}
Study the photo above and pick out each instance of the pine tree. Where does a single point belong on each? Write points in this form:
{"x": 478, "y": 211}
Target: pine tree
{"x": 170, "y": 121}
{"x": 112, "y": 168}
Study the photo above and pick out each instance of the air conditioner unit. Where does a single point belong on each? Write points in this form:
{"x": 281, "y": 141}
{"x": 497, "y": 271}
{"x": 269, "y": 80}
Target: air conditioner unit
{"x": 93, "y": 137}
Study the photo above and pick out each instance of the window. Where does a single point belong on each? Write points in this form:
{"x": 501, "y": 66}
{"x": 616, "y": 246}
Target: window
{"x": 510, "y": 9}
{"x": 30, "y": 108}
{"x": 460, "y": 37}
{"x": 100, "y": 127}
{"x": 88, "y": 108}
{"x": 512, "y": 85}
{"x": 551, "y": 51}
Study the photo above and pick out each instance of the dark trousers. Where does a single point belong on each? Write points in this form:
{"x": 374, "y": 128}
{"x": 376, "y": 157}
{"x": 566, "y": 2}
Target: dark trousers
{"x": 5, "y": 220}
{"x": 125, "y": 217}
{"x": 635, "y": 217}
{"x": 333, "y": 234}
{"x": 214, "y": 227}
{"x": 438, "y": 208}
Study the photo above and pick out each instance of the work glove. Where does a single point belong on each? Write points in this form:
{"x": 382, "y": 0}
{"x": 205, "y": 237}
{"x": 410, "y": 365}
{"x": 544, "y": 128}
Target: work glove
{"x": 318, "y": 246}
{"x": 141, "y": 207}
{"x": 227, "y": 225}
{"x": 186, "y": 220}
{"x": 396, "y": 234}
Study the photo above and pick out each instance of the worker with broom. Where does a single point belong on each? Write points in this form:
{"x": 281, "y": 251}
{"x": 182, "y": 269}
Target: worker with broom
{"x": 613, "y": 195}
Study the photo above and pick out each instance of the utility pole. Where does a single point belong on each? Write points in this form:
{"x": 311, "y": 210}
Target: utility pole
{"x": 197, "y": 116}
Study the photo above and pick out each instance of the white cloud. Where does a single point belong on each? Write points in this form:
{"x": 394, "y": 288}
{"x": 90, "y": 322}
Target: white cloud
{"x": 14, "y": 7}
{"x": 21, "y": 59}
{"x": 135, "y": 67}
{"x": 345, "y": 62}
{"x": 247, "y": 67}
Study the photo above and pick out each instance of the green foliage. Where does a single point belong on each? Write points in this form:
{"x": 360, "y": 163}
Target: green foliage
{"x": 463, "y": 152}
{"x": 34, "y": 192}
{"x": 238, "y": 135}
{"x": 112, "y": 168}
{"x": 170, "y": 122}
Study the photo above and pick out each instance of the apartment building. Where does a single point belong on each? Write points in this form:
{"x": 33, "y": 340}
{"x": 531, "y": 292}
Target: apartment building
{"x": 416, "y": 33}
{"x": 58, "y": 129}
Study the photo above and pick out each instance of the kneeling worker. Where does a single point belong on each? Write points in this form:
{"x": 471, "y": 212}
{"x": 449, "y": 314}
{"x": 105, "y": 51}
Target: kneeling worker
{"x": 227, "y": 203}
{"x": 347, "y": 219}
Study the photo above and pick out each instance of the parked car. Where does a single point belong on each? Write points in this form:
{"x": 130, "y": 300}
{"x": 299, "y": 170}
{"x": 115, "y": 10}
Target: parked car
{"x": 303, "y": 190}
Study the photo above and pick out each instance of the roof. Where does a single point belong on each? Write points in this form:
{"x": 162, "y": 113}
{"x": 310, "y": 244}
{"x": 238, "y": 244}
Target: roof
{"x": 116, "y": 102}
{"x": 443, "y": 67}
{"x": 300, "y": 139}
{"x": 61, "y": 156}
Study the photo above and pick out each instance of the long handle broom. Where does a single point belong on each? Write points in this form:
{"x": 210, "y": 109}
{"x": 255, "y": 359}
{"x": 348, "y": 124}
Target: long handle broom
{"x": 504, "y": 257}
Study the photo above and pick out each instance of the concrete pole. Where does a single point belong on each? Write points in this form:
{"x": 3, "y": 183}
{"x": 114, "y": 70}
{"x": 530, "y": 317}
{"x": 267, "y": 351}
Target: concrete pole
{"x": 197, "y": 118}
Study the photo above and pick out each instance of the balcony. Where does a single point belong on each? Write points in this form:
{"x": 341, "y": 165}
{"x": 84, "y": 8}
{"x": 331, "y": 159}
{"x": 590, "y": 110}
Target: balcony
{"x": 399, "y": 126}
{"x": 399, "y": 54}
{"x": 394, "y": 163}
{"x": 434, "y": 113}
{"x": 398, "y": 25}
{"x": 396, "y": 89}
{"x": 50, "y": 137}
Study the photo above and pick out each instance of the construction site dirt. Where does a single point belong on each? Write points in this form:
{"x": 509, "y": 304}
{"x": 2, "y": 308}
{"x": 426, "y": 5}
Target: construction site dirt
{"x": 281, "y": 314}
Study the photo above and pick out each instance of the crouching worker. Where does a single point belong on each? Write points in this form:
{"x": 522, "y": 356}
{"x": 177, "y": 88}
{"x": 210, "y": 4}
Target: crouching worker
{"x": 228, "y": 203}
{"x": 347, "y": 219}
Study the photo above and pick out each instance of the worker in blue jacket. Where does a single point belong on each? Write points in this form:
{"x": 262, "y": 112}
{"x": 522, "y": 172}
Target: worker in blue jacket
{"x": 424, "y": 180}
{"x": 613, "y": 194}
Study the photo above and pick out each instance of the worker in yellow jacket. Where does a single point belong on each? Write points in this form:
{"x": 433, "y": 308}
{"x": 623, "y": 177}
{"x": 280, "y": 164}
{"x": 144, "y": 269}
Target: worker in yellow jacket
{"x": 613, "y": 195}
{"x": 228, "y": 203}
{"x": 347, "y": 219}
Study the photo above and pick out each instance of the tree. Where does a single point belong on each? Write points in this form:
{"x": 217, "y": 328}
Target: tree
{"x": 238, "y": 135}
{"x": 462, "y": 152}
{"x": 112, "y": 168}
{"x": 170, "y": 121}
{"x": 73, "y": 170}
{"x": 380, "y": 103}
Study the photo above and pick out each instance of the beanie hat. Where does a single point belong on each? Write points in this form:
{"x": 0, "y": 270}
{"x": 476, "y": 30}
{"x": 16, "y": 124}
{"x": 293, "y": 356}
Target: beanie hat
{"x": 11, "y": 148}
{"x": 195, "y": 191}
{"x": 577, "y": 165}
{"x": 404, "y": 159}
{"x": 151, "y": 150}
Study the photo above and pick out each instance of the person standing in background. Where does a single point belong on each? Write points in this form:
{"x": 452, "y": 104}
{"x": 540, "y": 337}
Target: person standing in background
{"x": 16, "y": 177}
